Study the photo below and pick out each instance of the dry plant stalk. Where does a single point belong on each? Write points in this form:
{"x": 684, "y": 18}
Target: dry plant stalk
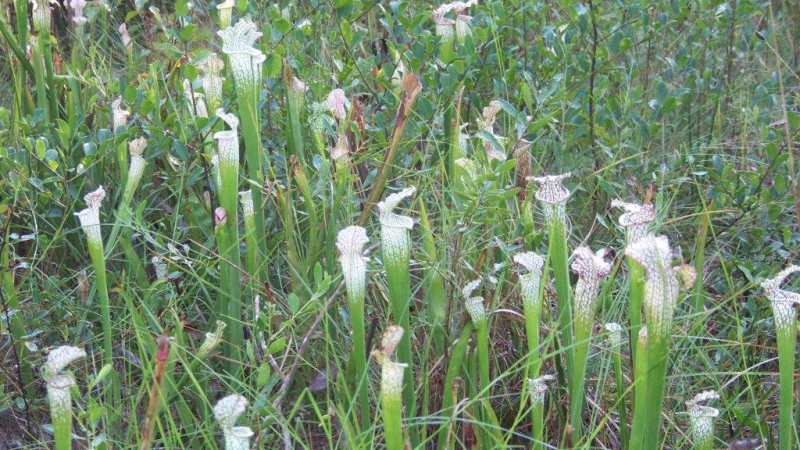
{"x": 154, "y": 402}
{"x": 411, "y": 88}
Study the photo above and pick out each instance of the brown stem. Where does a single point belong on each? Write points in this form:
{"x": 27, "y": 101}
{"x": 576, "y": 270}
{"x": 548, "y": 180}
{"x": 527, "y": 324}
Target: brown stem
{"x": 154, "y": 403}
{"x": 411, "y": 88}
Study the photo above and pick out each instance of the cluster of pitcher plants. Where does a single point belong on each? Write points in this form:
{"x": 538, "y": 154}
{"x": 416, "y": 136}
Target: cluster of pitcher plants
{"x": 391, "y": 392}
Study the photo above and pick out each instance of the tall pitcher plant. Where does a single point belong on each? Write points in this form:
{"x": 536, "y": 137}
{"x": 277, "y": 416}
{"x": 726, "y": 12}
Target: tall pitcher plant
{"x": 531, "y": 290}
{"x": 591, "y": 269}
{"x": 351, "y": 242}
{"x": 661, "y": 289}
{"x": 476, "y": 308}
{"x": 212, "y": 81}
{"x": 396, "y": 253}
{"x": 245, "y": 63}
{"x": 537, "y": 388}
{"x": 636, "y": 221}
{"x": 229, "y": 306}
{"x": 225, "y": 12}
{"x": 248, "y": 214}
{"x": 227, "y": 411}
{"x": 782, "y": 303}
{"x": 119, "y": 121}
{"x": 553, "y": 196}
{"x": 90, "y": 222}
{"x": 392, "y": 388}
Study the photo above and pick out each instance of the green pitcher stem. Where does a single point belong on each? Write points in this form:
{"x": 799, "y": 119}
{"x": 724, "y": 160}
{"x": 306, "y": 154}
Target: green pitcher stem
{"x": 636, "y": 289}
{"x": 234, "y": 312}
{"x": 559, "y": 257}
{"x": 62, "y": 428}
{"x": 657, "y": 360}
{"x": 231, "y": 308}
{"x": 98, "y": 260}
{"x": 583, "y": 333}
{"x": 229, "y": 300}
{"x": 538, "y": 426}
{"x": 482, "y": 331}
{"x": 393, "y": 422}
{"x": 787, "y": 338}
{"x": 398, "y": 279}
{"x": 640, "y": 381}
{"x": 532, "y": 333}
{"x": 436, "y": 303}
{"x": 251, "y": 257}
{"x": 532, "y": 313}
{"x": 249, "y": 117}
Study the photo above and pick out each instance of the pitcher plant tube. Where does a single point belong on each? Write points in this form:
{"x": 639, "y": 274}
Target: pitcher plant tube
{"x": 661, "y": 289}
{"x": 396, "y": 254}
{"x": 351, "y": 242}
{"x": 635, "y": 220}
{"x": 392, "y": 374}
{"x": 591, "y": 268}
{"x": 553, "y": 196}
{"x": 59, "y": 387}
{"x": 783, "y": 303}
